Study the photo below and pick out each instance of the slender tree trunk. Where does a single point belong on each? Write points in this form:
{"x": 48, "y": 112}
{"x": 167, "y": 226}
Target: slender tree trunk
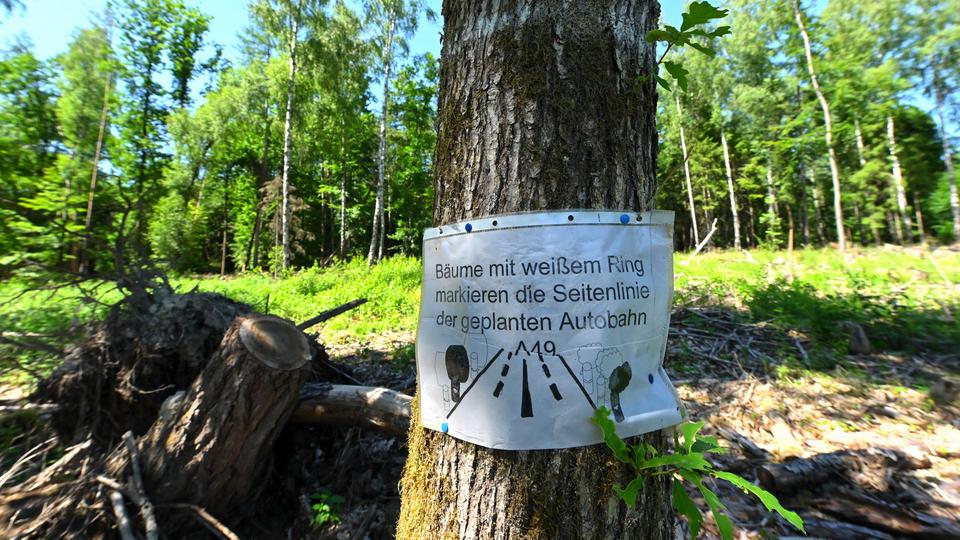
{"x": 376, "y": 234}
{"x": 898, "y": 179}
{"x": 226, "y": 226}
{"x": 859, "y": 135}
{"x": 896, "y": 229}
{"x": 859, "y": 218}
{"x": 343, "y": 198}
{"x": 772, "y": 205}
{"x": 941, "y": 96}
{"x": 804, "y": 213}
{"x": 828, "y": 124}
{"x": 916, "y": 208}
{"x": 733, "y": 196}
{"x": 686, "y": 171}
{"x": 821, "y": 232}
{"x": 510, "y": 141}
{"x": 88, "y": 223}
{"x": 288, "y": 139}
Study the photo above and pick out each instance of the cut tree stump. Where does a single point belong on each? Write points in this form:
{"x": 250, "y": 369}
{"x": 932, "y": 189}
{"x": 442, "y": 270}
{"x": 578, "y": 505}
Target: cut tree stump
{"x": 212, "y": 450}
{"x": 207, "y": 452}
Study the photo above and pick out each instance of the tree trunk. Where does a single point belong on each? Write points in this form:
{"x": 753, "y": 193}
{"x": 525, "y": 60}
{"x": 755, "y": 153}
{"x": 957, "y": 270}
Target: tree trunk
{"x": 234, "y": 411}
{"x": 376, "y": 234}
{"x": 916, "y": 208}
{"x": 541, "y": 106}
{"x": 84, "y": 267}
{"x": 773, "y": 206}
{"x": 828, "y": 125}
{"x": 343, "y": 198}
{"x": 288, "y": 140}
{"x": 804, "y": 213}
{"x": 733, "y": 196}
{"x": 898, "y": 179}
{"x": 818, "y": 214}
{"x": 941, "y": 97}
{"x": 859, "y": 137}
{"x": 686, "y": 171}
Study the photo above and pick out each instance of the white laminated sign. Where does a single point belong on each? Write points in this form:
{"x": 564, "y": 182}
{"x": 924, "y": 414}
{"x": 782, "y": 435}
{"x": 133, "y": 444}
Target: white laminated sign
{"x": 530, "y": 322}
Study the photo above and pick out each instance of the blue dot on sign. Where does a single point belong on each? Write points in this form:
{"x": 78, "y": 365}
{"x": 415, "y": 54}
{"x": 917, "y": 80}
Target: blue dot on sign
{"x": 650, "y": 378}
{"x": 469, "y": 227}
{"x": 624, "y": 219}
{"x": 444, "y": 427}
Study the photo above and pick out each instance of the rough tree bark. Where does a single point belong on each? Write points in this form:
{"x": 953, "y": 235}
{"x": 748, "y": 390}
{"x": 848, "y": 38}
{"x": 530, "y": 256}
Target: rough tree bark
{"x": 541, "y": 106}
{"x": 234, "y": 412}
{"x": 828, "y": 125}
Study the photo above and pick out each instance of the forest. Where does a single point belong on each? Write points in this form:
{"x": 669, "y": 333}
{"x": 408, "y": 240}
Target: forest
{"x": 211, "y": 264}
{"x": 319, "y": 144}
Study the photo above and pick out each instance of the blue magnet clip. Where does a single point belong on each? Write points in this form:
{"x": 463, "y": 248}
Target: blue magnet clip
{"x": 624, "y": 219}
{"x": 469, "y": 227}
{"x": 444, "y": 427}
{"x": 650, "y": 378}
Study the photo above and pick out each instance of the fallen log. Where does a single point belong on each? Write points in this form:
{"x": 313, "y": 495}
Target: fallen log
{"x": 209, "y": 451}
{"x": 840, "y": 530}
{"x": 377, "y": 408}
{"x": 794, "y": 474}
{"x": 213, "y": 450}
{"x": 891, "y": 518}
{"x": 331, "y": 313}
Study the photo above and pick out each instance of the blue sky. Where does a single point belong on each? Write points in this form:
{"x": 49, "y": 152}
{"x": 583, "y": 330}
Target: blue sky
{"x": 50, "y": 24}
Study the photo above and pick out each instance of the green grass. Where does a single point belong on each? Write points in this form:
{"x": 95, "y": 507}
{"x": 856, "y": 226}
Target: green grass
{"x": 900, "y": 297}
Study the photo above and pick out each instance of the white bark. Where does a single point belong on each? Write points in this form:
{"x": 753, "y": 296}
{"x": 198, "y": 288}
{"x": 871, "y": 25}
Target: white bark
{"x": 859, "y": 135}
{"x": 733, "y": 197}
{"x": 686, "y": 171}
{"x": 377, "y": 233}
{"x": 898, "y": 180}
{"x": 288, "y": 139}
{"x": 828, "y": 124}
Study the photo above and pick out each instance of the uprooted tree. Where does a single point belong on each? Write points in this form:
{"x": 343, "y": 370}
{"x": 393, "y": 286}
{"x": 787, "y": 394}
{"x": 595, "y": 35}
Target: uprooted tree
{"x": 543, "y": 105}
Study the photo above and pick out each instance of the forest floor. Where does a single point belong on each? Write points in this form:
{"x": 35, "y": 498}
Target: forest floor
{"x": 787, "y": 357}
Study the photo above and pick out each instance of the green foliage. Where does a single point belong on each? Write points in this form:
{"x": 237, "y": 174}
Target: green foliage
{"x": 689, "y": 463}
{"x": 325, "y": 507}
{"x": 695, "y": 19}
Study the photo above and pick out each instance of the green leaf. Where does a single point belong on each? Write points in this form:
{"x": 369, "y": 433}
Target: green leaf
{"x": 768, "y": 499}
{"x": 701, "y": 13}
{"x": 684, "y": 504}
{"x": 690, "y": 430}
{"x": 654, "y": 36}
{"x": 707, "y": 444}
{"x": 703, "y": 48}
{"x": 724, "y": 524}
{"x": 679, "y": 73}
{"x": 629, "y": 495}
{"x": 721, "y": 31}
{"x": 664, "y": 83}
{"x": 601, "y": 417}
{"x": 692, "y": 461}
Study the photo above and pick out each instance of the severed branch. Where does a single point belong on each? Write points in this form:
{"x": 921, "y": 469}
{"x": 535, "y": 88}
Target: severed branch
{"x": 378, "y": 408}
{"x": 146, "y": 507}
{"x": 120, "y": 513}
{"x": 212, "y": 523}
{"x": 331, "y": 313}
